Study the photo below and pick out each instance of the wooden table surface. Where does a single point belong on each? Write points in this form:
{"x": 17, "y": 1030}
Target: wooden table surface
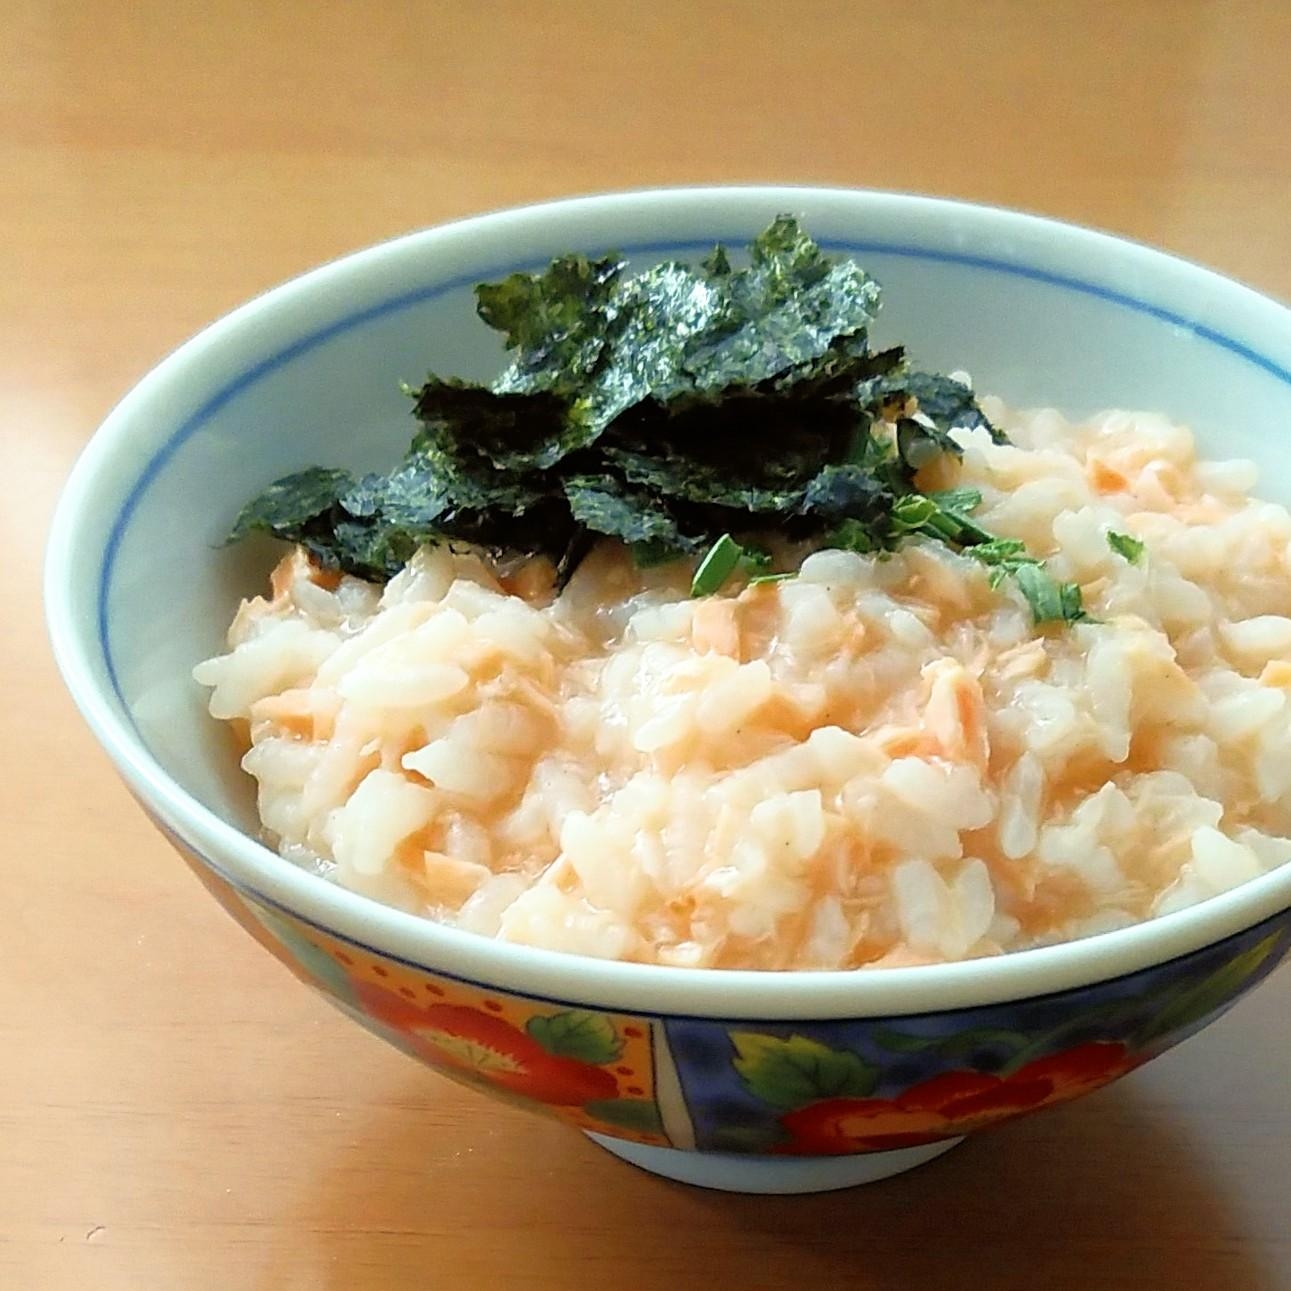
{"x": 175, "y": 1110}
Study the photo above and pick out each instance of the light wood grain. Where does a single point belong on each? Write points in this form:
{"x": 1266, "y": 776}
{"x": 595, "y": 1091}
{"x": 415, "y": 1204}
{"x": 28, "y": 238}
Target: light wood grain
{"x": 175, "y": 1111}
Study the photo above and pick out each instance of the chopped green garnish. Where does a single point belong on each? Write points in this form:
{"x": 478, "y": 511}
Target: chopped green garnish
{"x": 1072, "y": 604}
{"x": 912, "y": 512}
{"x": 965, "y": 501}
{"x": 717, "y": 566}
{"x": 783, "y": 577}
{"x": 1126, "y": 545}
{"x": 1050, "y": 601}
{"x": 1002, "y": 552}
{"x": 953, "y": 525}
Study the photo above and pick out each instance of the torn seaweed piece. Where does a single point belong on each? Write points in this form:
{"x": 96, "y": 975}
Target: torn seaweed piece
{"x": 607, "y": 506}
{"x": 664, "y": 409}
{"x": 504, "y": 428}
{"x": 949, "y": 404}
{"x": 674, "y": 333}
{"x": 556, "y": 321}
{"x": 846, "y": 492}
{"x": 287, "y": 505}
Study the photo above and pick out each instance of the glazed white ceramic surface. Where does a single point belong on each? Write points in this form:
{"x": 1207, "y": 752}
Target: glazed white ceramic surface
{"x": 732, "y": 1172}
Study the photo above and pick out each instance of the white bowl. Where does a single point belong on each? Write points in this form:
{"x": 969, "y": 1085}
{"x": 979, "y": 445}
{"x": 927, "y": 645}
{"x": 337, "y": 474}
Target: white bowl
{"x": 139, "y": 589}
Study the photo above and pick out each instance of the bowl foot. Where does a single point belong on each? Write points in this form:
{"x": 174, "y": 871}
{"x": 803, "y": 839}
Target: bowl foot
{"x": 735, "y": 1172}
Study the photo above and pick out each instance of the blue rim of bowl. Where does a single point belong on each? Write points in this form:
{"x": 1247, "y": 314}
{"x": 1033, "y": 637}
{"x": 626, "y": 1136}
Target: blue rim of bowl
{"x": 636, "y": 987}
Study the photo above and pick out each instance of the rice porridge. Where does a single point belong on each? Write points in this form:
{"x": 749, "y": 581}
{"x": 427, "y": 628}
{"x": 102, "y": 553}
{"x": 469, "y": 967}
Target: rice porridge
{"x": 879, "y": 761}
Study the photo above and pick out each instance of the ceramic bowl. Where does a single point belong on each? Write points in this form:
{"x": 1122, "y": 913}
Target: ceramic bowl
{"x": 775, "y": 1082}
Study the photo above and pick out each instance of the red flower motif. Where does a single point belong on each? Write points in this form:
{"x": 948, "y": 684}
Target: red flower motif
{"x": 950, "y": 1105}
{"x": 487, "y": 1047}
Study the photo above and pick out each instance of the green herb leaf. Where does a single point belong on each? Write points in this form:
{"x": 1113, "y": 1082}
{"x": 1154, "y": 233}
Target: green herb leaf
{"x": 791, "y": 1073}
{"x": 589, "y": 1037}
{"x": 1050, "y": 600}
{"x": 963, "y": 500}
{"x": 1126, "y": 545}
{"x": 1002, "y": 551}
{"x": 717, "y": 566}
{"x": 912, "y": 512}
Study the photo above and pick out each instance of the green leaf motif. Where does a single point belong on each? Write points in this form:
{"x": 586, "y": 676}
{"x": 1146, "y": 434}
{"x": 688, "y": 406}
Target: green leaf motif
{"x": 899, "y": 1042}
{"x": 634, "y": 1114}
{"x": 791, "y": 1073}
{"x": 1220, "y": 988}
{"x": 951, "y": 1045}
{"x": 588, "y": 1037}
{"x": 309, "y": 961}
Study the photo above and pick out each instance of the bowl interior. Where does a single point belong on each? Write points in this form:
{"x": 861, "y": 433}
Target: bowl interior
{"x": 1038, "y": 313}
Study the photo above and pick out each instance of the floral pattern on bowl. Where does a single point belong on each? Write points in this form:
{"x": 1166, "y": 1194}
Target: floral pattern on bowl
{"x": 828, "y": 1088}
{"x": 810, "y": 1088}
{"x": 591, "y": 1069}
